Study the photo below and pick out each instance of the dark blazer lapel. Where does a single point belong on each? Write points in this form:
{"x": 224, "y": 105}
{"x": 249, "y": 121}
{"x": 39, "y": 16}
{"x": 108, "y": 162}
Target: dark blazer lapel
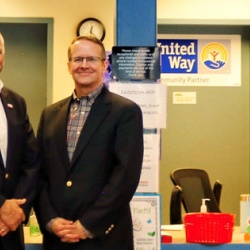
{"x": 60, "y": 127}
{"x": 98, "y": 112}
{"x": 1, "y": 161}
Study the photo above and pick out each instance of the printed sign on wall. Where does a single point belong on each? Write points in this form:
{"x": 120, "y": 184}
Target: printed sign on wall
{"x": 137, "y": 63}
{"x": 146, "y": 215}
{"x": 150, "y": 97}
{"x": 149, "y": 181}
{"x": 200, "y": 60}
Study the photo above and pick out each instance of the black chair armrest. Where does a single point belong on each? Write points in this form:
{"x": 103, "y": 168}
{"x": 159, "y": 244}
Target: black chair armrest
{"x": 217, "y": 191}
{"x": 175, "y": 205}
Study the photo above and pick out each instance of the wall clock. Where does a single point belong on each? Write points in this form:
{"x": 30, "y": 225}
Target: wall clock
{"x": 91, "y": 26}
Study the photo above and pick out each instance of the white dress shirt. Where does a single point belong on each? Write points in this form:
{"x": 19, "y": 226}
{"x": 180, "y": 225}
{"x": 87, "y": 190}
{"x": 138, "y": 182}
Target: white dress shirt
{"x": 3, "y": 130}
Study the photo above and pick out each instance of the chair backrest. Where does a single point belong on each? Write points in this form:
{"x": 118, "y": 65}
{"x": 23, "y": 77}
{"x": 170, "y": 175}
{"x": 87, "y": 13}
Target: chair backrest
{"x": 195, "y": 186}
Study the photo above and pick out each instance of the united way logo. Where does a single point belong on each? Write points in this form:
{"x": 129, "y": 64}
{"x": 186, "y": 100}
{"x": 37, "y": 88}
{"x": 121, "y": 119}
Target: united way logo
{"x": 214, "y": 56}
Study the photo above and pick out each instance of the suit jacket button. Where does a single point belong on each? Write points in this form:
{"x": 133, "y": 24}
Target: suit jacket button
{"x": 107, "y": 232}
{"x": 69, "y": 183}
{"x": 6, "y": 176}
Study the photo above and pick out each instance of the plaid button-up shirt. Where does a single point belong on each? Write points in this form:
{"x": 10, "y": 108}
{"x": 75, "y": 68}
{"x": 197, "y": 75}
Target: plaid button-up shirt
{"x": 79, "y": 111}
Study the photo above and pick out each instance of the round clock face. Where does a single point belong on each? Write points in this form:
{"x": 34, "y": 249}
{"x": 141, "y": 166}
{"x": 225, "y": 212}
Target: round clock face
{"x": 91, "y": 26}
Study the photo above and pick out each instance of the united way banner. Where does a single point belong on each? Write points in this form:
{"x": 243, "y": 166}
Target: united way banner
{"x": 200, "y": 60}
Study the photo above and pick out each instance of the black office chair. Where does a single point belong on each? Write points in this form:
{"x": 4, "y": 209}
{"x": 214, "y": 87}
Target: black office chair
{"x": 192, "y": 185}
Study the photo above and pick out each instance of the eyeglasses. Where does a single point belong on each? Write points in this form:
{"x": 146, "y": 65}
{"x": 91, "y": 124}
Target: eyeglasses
{"x": 88, "y": 59}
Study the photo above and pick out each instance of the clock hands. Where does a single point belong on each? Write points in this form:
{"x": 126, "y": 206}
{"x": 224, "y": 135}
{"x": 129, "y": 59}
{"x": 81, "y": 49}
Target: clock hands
{"x": 91, "y": 26}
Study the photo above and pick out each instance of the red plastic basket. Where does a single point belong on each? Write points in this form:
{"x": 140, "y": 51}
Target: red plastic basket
{"x": 209, "y": 228}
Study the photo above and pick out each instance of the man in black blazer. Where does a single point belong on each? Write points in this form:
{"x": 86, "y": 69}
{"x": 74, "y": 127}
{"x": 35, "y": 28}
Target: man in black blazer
{"x": 19, "y": 165}
{"x": 92, "y": 151}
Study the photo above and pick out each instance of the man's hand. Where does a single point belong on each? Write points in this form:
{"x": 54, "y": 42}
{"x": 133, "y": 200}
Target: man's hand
{"x": 3, "y": 229}
{"x": 79, "y": 231}
{"x": 12, "y": 214}
{"x": 65, "y": 229}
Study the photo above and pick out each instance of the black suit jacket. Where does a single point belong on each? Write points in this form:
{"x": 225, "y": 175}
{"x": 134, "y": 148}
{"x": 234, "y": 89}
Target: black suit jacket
{"x": 19, "y": 178}
{"x": 97, "y": 186}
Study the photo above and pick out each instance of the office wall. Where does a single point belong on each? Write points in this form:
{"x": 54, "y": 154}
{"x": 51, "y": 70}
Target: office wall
{"x": 214, "y": 133}
{"x": 67, "y": 15}
{"x": 202, "y": 9}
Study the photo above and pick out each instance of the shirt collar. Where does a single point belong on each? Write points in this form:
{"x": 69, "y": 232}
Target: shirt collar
{"x": 1, "y": 85}
{"x": 90, "y": 96}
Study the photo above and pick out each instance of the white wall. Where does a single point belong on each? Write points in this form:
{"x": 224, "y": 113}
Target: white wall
{"x": 203, "y": 9}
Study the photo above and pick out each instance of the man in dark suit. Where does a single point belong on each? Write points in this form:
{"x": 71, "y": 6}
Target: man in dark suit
{"x": 19, "y": 165}
{"x": 92, "y": 151}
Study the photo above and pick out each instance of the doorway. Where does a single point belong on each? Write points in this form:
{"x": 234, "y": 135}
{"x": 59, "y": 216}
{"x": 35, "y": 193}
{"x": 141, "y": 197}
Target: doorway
{"x": 28, "y": 61}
